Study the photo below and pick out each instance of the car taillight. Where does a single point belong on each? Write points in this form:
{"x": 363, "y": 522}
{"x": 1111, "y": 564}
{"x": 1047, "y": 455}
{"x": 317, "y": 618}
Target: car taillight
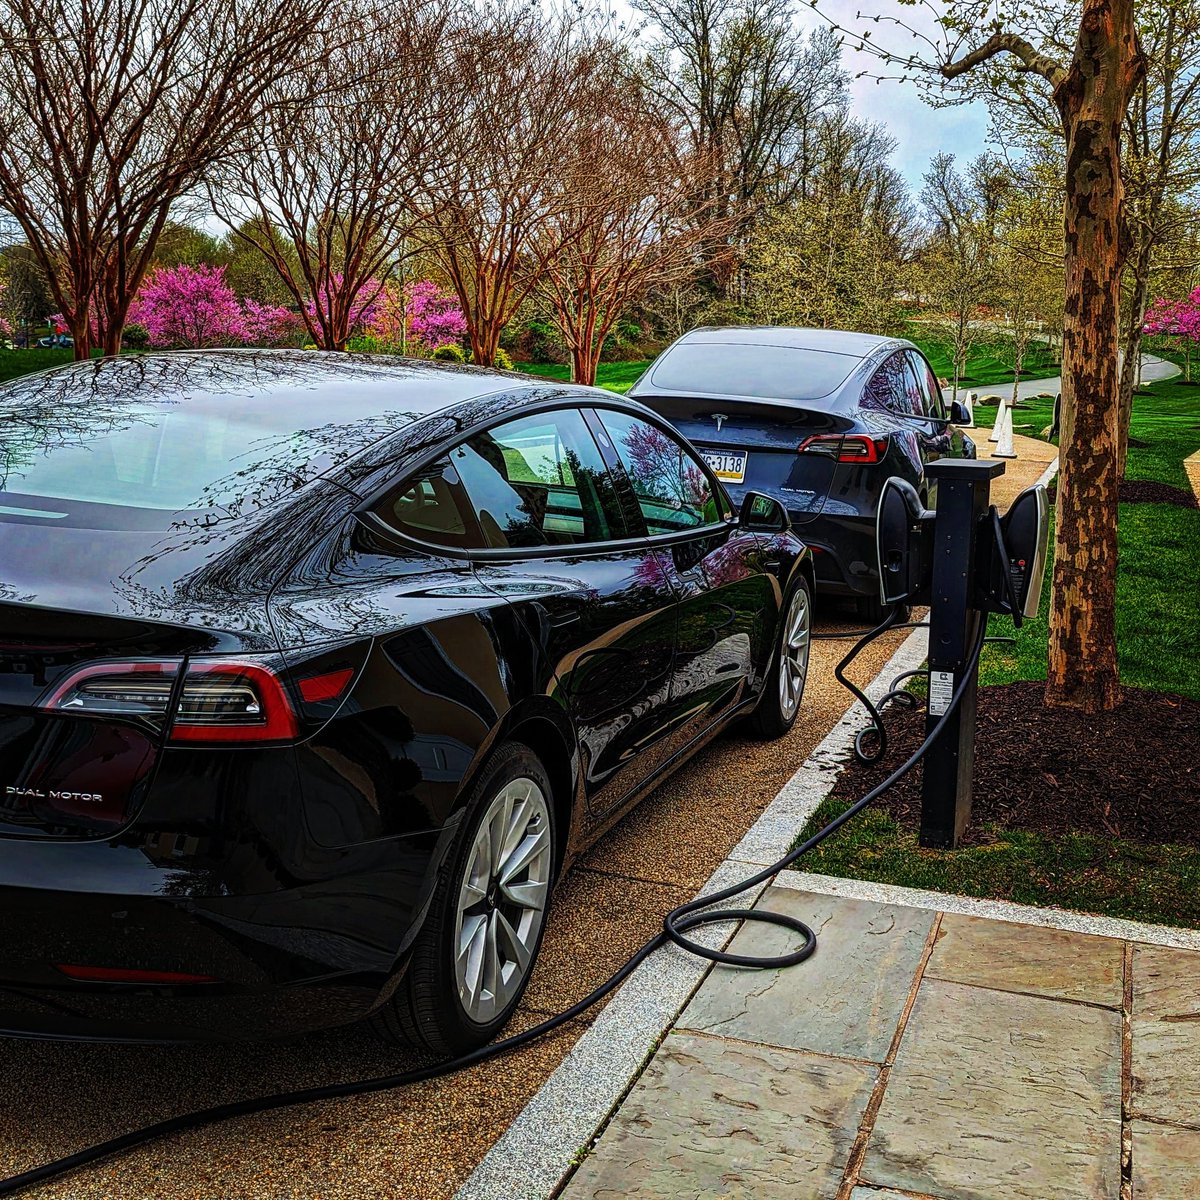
{"x": 232, "y": 700}
{"x": 220, "y": 700}
{"x": 845, "y": 448}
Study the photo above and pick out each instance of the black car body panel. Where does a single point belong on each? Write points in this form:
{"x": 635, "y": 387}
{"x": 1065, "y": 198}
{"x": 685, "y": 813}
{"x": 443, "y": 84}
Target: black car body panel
{"x": 760, "y": 394}
{"x": 265, "y": 888}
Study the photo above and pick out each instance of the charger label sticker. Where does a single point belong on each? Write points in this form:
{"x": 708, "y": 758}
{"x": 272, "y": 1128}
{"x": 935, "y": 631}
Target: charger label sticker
{"x": 941, "y": 692}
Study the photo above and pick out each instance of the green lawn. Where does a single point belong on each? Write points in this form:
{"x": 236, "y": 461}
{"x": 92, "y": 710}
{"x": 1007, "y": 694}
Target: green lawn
{"x": 22, "y": 362}
{"x": 1158, "y": 630}
{"x": 989, "y": 365}
{"x": 615, "y": 376}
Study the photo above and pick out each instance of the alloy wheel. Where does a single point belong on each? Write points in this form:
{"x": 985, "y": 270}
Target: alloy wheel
{"x": 502, "y": 899}
{"x": 793, "y": 653}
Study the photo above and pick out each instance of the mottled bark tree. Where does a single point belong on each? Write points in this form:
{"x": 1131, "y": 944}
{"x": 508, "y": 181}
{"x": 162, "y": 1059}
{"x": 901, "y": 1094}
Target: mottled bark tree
{"x": 1091, "y": 93}
{"x": 1091, "y": 89}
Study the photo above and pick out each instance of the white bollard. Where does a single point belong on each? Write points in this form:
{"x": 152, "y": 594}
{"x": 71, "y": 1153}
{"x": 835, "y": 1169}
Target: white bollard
{"x": 1004, "y": 446}
{"x": 998, "y": 424}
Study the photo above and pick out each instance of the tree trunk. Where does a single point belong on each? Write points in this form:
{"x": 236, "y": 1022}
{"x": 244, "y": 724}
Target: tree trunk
{"x": 81, "y": 334}
{"x": 1133, "y": 348}
{"x": 1082, "y": 666}
{"x": 583, "y": 366}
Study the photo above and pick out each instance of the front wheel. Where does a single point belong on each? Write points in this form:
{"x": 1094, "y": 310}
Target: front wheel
{"x": 784, "y": 686}
{"x": 473, "y": 958}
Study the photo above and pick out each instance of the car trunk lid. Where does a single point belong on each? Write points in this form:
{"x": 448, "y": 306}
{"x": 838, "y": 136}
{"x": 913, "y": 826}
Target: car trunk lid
{"x": 770, "y": 433}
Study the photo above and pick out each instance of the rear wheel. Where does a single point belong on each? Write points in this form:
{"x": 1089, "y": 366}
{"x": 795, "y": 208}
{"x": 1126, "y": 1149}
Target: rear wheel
{"x": 872, "y": 610}
{"x": 473, "y": 958}
{"x": 784, "y": 688}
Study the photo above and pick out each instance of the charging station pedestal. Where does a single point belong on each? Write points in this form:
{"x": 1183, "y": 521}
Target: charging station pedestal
{"x": 963, "y": 496}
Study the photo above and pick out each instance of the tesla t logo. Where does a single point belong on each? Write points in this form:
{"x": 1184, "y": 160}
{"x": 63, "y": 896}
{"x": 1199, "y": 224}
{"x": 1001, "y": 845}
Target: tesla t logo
{"x": 20, "y": 793}
{"x": 720, "y": 419}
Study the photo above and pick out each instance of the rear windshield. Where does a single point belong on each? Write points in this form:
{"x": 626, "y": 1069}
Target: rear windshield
{"x": 83, "y": 437}
{"x": 758, "y": 372}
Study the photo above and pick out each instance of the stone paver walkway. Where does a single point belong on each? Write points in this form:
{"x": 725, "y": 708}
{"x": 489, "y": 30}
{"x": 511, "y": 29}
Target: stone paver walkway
{"x": 919, "y": 1054}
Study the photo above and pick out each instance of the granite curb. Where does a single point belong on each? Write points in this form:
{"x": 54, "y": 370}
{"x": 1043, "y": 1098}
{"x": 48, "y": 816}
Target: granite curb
{"x": 539, "y": 1149}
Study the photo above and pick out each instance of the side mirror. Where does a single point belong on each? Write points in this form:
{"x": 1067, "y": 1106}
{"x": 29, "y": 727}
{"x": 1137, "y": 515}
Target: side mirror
{"x": 763, "y": 514}
{"x": 903, "y": 538}
{"x": 960, "y": 413}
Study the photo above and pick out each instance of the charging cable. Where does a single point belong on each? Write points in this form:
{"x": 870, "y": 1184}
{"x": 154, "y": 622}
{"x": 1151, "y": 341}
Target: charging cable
{"x": 678, "y": 924}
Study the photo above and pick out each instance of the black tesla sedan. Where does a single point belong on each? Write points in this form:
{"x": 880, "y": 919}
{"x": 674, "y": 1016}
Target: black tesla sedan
{"x": 818, "y": 419}
{"x": 315, "y": 671}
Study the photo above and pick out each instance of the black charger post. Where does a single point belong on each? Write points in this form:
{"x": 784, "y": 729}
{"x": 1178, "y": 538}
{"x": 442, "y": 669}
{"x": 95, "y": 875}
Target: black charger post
{"x": 958, "y": 553}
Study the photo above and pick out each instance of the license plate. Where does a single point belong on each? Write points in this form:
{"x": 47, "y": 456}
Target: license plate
{"x": 727, "y": 465}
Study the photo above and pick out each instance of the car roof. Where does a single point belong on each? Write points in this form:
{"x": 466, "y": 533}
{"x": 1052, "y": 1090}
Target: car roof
{"x": 839, "y": 363}
{"x": 828, "y": 341}
{"x": 377, "y": 382}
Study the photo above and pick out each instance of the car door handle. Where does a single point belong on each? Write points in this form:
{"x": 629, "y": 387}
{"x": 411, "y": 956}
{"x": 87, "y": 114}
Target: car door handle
{"x": 567, "y": 617}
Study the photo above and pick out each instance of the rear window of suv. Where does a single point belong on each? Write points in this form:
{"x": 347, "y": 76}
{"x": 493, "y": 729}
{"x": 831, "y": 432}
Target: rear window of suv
{"x": 753, "y": 371}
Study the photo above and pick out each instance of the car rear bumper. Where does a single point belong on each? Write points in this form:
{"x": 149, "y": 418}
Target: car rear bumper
{"x": 306, "y": 956}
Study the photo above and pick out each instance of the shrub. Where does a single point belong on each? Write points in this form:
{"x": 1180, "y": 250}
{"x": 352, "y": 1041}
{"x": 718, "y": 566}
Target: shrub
{"x": 504, "y": 360}
{"x": 135, "y": 336}
{"x": 369, "y": 344}
{"x": 449, "y": 353}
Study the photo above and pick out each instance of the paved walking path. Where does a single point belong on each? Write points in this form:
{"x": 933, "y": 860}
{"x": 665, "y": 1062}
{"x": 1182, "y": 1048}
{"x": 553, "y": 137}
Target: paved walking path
{"x": 919, "y": 1054}
{"x": 1153, "y": 368}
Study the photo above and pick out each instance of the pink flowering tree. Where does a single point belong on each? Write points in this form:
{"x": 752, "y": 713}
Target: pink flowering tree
{"x": 434, "y": 317}
{"x": 341, "y": 309}
{"x": 270, "y": 324}
{"x": 195, "y": 308}
{"x": 417, "y": 318}
{"x": 191, "y": 307}
{"x": 1178, "y": 319}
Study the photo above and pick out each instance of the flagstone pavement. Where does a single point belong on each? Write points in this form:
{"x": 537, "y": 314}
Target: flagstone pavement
{"x": 919, "y": 1054}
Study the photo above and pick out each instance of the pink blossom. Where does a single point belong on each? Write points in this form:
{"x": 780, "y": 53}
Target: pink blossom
{"x": 189, "y": 306}
{"x": 1175, "y": 318}
{"x": 434, "y": 317}
{"x": 269, "y": 324}
{"x": 363, "y": 304}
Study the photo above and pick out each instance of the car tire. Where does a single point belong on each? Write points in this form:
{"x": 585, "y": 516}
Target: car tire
{"x": 474, "y": 955}
{"x": 871, "y": 610}
{"x": 783, "y": 689}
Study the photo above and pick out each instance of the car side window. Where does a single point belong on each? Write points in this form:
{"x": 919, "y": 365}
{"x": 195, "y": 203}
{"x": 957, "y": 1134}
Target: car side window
{"x": 433, "y": 507}
{"x": 672, "y": 488}
{"x": 893, "y": 388}
{"x": 931, "y": 393}
{"x": 539, "y": 481}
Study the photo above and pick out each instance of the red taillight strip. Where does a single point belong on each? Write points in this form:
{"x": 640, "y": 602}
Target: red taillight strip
{"x": 276, "y": 720}
{"x": 834, "y": 445}
{"x": 318, "y": 689}
{"x": 89, "y": 974}
{"x": 98, "y": 670}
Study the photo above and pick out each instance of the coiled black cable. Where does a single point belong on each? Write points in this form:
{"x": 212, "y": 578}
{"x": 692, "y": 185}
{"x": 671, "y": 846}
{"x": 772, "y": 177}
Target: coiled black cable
{"x": 677, "y": 924}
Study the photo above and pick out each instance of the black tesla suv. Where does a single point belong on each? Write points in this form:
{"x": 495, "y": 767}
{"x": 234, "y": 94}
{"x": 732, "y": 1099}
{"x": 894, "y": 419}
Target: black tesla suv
{"x": 316, "y": 669}
{"x": 817, "y": 418}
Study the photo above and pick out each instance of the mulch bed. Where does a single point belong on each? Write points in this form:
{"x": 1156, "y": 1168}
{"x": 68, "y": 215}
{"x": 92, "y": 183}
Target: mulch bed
{"x": 1145, "y": 491}
{"x": 1133, "y": 773}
